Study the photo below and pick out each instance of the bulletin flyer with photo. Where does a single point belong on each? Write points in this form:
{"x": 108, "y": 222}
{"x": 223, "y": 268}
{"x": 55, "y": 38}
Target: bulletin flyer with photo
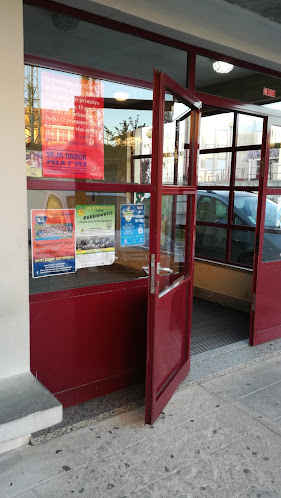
{"x": 53, "y": 242}
{"x": 95, "y": 236}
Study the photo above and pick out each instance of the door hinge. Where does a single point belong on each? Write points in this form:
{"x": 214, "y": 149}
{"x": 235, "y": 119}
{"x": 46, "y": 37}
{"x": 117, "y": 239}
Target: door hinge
{"x": 254, "y": 302}
{"x": 152, "y": 274}
{"x": 257, "y": 244}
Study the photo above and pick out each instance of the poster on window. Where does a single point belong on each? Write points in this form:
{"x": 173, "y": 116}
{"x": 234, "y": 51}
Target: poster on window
{"x": 71, "y": 126}
{"x": 52, "y": 241}
{"x": 95, "y": 236}
{"x": 132, "y": 225}
{"x": 33, "y": 163}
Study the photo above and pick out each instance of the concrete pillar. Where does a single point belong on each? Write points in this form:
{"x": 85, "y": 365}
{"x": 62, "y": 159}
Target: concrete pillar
{"x": 14, "y": 307}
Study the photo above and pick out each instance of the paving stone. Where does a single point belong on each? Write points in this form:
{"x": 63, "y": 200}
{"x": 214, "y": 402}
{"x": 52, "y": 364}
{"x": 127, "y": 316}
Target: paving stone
{"x": 264, "y": 490}
{"x": 93, "y": 481}
{"x": 183, "y": 406}
{"x": 201, "y": 446}
{"x": 29, "y": 465}
{"x": 27, "y": 494}
{"x": 211, "y": 477}
{"x": 266, "y": 402}
{"x": 247, "y": 380}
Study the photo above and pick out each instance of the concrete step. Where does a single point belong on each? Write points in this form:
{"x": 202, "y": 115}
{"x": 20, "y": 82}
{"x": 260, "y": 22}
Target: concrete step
{"x": 26, "y": 406}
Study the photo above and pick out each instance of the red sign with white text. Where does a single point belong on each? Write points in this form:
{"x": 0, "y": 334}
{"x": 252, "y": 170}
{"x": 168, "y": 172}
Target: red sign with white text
{"x": 269, "y": 92}
{"x": 71, "y": 126}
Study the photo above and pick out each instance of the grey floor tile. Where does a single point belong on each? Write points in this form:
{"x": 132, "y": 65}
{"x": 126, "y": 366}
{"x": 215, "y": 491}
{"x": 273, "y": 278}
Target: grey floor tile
{"x": 142, "y": 493}
{"x": 95, "y": 408}
{"x": 124, "y": 472}
{"x": 247, "y": 380}
{"x": 127, "y": 429}
{"x": 26, "y": 494}
{"x": 228, "y": 472}
{"x": 211, "y": 477}
{"x": 262, "y": 490}
{"x": 187, "y": 404}
{"x": 27, "y": 466}
{"x": 93, "y": 481}
{"x": 266, "y": 402}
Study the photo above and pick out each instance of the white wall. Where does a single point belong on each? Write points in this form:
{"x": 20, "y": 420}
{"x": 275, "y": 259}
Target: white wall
{"x": 14, "y": 308}
{"x": 213, "y": 24}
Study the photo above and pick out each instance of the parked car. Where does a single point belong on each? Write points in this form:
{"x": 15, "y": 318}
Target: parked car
{"x": 212, "y": 207}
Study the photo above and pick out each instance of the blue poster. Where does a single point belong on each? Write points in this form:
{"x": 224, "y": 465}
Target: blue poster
{"x": 132, "y": 225}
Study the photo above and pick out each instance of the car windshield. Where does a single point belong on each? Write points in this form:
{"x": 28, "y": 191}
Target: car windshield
{"x": 247, "y": 205}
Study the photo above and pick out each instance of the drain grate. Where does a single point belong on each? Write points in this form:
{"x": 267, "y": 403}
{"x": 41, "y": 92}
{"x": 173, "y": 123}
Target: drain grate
{"x": 214, "y": 326}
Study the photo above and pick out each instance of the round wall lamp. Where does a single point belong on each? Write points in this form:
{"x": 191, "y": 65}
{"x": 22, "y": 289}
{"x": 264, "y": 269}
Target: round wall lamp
{"x": 222, "y": 67}
{"x": 121, "y": 96}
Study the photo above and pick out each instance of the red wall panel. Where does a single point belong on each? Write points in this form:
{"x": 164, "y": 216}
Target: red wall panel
{"x": 85, "y": 345}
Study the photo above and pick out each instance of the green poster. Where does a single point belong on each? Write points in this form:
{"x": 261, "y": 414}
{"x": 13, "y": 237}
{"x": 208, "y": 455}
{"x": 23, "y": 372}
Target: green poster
{"x": 95, "y": 236}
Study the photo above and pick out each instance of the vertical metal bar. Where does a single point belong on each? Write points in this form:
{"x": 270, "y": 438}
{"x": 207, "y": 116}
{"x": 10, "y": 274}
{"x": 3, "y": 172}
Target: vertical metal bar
{"x": 265, "y": 153}
{"x": 231, "y": 191}
{"x": 191, "y": 70}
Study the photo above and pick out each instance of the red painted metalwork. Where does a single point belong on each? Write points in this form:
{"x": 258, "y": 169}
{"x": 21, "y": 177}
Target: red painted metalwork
{"x": 143, "y": 33}
{"x": 65, "y": 361}
{"x": 45, "y": 184}
{"x": 265, "y": 313}
{"x": 34, "y": 60}
{"x": 239, "y": 148}
{"x": 168, "y": 337}
{"x": 236, "y": 105}
{"x": 90, "y": 341}
{"x": 191, "y": 70}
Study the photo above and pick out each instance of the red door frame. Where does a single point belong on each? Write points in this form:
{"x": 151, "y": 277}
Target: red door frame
{"x": 42, "y": 184}
{"x": 156, "y": 402}
{"x": 266, "y": 283}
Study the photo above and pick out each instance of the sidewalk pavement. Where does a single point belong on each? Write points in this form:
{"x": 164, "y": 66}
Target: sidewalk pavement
{"x": 220, "y": 438}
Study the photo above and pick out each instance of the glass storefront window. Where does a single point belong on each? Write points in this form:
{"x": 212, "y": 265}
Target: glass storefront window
{"x": 272, "y": 229}
{"x": 212, "y": 207}
{"x": 216, "y": 129}
{"x": 274, "y": 170}
{"x": 245, "y": 208}
{"x": 242, "y": 247}
{"x": 210, "y": 242}
{"x": 173, "y": 238}
{"x": 128, "y": 246}
{"x": 214, "y": 168}
{"x": 86, "y": 129}
{"x": 249, "y": 130}
{"x": 176, "y": 141}
{"x": 247, "y": 169}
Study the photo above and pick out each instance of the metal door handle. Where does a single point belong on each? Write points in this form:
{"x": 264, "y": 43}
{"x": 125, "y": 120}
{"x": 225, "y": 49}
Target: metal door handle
{"x": 165, "y": 269}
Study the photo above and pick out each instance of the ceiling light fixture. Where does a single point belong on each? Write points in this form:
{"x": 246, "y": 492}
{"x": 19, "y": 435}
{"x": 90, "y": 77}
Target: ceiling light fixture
{"x": 222, "y": 67}
{"x": 121, "y": 96}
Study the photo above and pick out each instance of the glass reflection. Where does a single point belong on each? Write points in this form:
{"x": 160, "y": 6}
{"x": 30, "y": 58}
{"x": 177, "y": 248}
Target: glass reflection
{"x": 130, "y": 257}
{"x": 176, "y": 141}
{"x": 272, "y": 229}
{"x": 78, "y": 127}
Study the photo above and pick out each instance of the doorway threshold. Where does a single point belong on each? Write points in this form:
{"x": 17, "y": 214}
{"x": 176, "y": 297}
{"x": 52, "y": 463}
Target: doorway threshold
{"x": 204, "y": 366}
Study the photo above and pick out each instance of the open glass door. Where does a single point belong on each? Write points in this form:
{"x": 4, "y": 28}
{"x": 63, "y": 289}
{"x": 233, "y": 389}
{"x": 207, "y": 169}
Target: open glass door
{"x": 176, "y": 114}
{"x": 265, "y": 314}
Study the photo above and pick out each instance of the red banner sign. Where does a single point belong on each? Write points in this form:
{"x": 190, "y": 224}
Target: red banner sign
{"x": 71, "y": 126}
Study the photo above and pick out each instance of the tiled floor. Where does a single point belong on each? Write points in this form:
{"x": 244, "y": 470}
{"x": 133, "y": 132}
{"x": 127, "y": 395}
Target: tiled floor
{"x": 216, "y": 439}
{"x": 214, "y": 326}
